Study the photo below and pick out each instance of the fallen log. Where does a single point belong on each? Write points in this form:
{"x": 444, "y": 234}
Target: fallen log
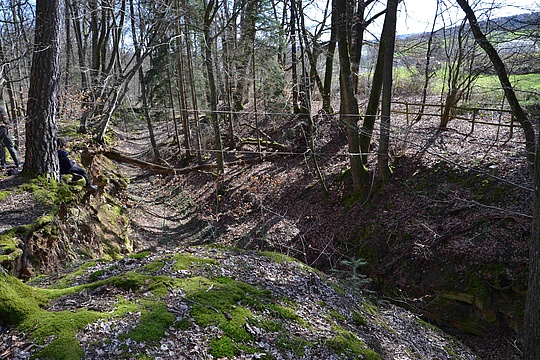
{"x": 116, "y": 156}
{"x": 264, "y": 143}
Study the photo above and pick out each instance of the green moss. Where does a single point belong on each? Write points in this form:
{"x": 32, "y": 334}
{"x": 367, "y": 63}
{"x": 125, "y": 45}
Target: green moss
{"x": 278, "y": 257}
{"x": 17, "y": 300}
{"x": 270, "y": 325}
{"x": 48, "y": 191}
{"x": 222, "y": 302}
{"x": 451, "y": 352}
{"x": 285, "y": 312}
{"x": 292, "y": 342}
{"x": 428, "y": 325}
{"x": 336, "y": 315}
{"x": 158, "y": 285}
{"x": 338, "y": 289}
{"x": 185, "y": 261}
{"x": 129, "y": 281}
{"x": 155, "y": 321}
{"x": 9, "y": 247}
{"x": 350, "y": 345}
{"x": 139, "y": 255}
{"x": 64, "y": 347}
{"x": 359, "y": 319}
{"x": 153, "y": 267}
{"x": 3, "y": 195}
{"x": 223, "y": 347}
{"x": 369, "y": 307}
{"x": 43, "y": 324}
{"x": 231, "y": 322}
{"x": 96, "y": 275}
{"x": 124, "y": 306}
{"x": 109, "y": 173}
{"x": 183, "y": 324}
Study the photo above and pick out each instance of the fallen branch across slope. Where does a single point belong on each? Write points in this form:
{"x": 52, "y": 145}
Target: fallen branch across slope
{"x": 116, "y": 156}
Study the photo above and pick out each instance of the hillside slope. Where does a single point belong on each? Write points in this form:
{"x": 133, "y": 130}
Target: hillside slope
{"x": 447, "y": 238}
{"x": 208, "y": 302}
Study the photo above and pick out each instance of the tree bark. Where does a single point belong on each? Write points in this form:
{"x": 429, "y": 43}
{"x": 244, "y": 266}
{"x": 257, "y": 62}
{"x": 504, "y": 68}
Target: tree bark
{"x": 329, "y": 65}
{"x": 296, "y": 84}
{"x": 193, "y": 93}
{"x": 41, "y": 149}
{"x": 531, "y": 329}
{"x": 427, "y": 69}
{"x": 373, "y": 103}
{"x": 389, "y": 34}
{"x": 500, "y": 69}
{"x": 210, "y": 12}
{"x": 142, "y": 83}
{"x": 245, "y": 47}
{"x": 349, "y": 113}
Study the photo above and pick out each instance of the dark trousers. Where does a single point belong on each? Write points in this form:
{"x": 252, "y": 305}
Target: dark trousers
{"x": 80, "y": 172}
{"x": 7, "y": 142}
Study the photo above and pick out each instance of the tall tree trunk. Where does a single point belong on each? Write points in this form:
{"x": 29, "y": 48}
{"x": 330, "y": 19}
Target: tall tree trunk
{"x": 294, "y": 61}
{"x": 389, "y": 34}
{"x": 373, "y": 102}
{"x": 427, "y": 69}
{"x": 349, "y": 113}
{"x": 192, "y": 89}
{"x": 211, "y": 9}
{"x": 5, "y": 73}
{"x": 69, "y": 52}
{"x": 94, "y": 31}
{"x": 88, "y": 98}
{"x": 304, "y": 87}
{"x": 117, "y": 30}
{"x": 142, "y": 82}
{"x": 500, "y": 69}
{"x": 41, "y": 149}
{"x": 531, "y": 329}
{"x": 245, "y": 47}
{"x": 182, "y": 89}
{"x": 229, "y": 54}
{"x": 329, "y": 65}
{"x": 358, "y": 28}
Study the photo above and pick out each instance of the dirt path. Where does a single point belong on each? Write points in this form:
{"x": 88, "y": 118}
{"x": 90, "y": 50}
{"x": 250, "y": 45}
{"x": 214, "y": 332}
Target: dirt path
{"x": 161, "y": 213}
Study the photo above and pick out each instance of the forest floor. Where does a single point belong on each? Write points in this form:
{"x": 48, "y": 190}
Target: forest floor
{"x": 455, "y": 196}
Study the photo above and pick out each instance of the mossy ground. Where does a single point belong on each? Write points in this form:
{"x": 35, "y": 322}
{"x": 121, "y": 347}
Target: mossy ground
{"x": 216, "y": 301}
{"x": 352, "y": 347}
{"x": 68, "y": 225}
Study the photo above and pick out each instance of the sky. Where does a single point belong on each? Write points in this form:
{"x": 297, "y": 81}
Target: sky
{"x": 416, "y": 16}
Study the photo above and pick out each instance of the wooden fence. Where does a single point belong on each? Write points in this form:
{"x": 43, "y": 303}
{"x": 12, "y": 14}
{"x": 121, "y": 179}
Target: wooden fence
{"x": 473, "y": 115}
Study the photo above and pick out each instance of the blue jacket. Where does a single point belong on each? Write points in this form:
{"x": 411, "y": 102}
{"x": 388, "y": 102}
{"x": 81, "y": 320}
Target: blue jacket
{"x": 65, "y": 163}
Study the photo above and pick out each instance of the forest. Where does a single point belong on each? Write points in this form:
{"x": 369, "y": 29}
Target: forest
{"x": 273, "y": 179}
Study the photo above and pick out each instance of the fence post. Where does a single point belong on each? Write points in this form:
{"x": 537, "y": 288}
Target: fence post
{"x": 407, "y": 112}
{"x": 475, "y": 111}
{"x": 511, "y": 125}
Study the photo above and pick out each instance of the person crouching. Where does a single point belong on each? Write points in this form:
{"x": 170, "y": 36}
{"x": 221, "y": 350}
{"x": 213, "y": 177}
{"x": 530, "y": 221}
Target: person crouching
{"x": 68, "y": 166}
